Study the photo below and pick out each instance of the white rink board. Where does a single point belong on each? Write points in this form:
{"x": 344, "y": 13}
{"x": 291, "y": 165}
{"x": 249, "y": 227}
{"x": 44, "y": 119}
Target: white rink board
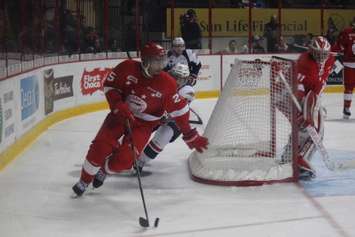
{"x": 78, "y": 83}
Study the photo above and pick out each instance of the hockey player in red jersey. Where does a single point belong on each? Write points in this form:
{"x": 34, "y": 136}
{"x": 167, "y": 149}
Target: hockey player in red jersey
{"x": 141, "y": 93}
{"x": 345, "y": 44}
{"x": 313, "y": 70}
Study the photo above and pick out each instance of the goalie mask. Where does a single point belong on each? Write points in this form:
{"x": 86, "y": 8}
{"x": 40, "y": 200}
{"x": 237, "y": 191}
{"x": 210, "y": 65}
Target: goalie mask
{"x": 320, "y": 49}
{"x": 153, "y": 59}
{"x": 181, "y": 73}
{"x": 178, "y": 45}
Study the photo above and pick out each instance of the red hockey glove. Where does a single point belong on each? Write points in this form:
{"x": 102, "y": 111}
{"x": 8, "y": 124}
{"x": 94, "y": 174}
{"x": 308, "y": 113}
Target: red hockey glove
{"x": 123, "y": 112}
{"x": 194, "y": 140}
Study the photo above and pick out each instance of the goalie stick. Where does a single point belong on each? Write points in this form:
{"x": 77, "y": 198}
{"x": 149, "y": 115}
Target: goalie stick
{"x": 330, "y": 164}
{"x": 144, "y": 222}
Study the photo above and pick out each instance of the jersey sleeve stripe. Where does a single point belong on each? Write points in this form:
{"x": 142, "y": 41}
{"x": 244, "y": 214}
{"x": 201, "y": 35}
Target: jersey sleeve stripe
{"x": 180, "y": 112}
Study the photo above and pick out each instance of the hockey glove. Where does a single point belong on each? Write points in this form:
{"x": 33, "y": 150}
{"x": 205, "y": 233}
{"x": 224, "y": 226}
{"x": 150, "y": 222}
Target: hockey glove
{"x": 194, "y": 140}
{"x": 123, "y": 112}
{"x": 191, "y": 80}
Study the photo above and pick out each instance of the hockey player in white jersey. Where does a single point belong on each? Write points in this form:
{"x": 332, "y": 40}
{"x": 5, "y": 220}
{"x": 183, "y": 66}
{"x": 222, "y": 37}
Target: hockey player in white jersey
{"x": 168, "y": 132}
{"x": 179, "y": 54}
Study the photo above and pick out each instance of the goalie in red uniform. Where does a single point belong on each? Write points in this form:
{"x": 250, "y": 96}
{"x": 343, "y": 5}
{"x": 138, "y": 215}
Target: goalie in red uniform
{"x": 313, "y": 70}
{"x": 346, "y": 44}
{"x": 141, "y": 93}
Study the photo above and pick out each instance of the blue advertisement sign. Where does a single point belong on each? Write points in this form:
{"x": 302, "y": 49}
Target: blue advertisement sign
{"x": 29, "y": 96}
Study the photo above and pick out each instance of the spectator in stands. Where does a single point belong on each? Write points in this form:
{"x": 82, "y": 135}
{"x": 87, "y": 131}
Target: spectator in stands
{"x": 92, "y": 41}
{"x": 258, "y": 45}
{"x": 271, "y": 32}
{"x": 190, "y": 30}
{"x": 244, "y": 49}
{"x": 332, "y": 31}
{"x": 307, "y": 40}
{"x": 232, "y": 47}
{"x": 282, "y": 46}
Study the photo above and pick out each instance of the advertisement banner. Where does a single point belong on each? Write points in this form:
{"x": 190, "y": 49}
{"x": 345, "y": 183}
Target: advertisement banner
{"x": 208, "y": 78}
{"x": 1, "y": 123}
{"x": 29, "y": 89}
{"x": 92, "y": 81}
{"x": 340, "y": 18}
{"x": 227, "y": 22}
{"x": 55, "y": 88}
{"x": 7, "y": 112}
{"x": 336, "y": 77}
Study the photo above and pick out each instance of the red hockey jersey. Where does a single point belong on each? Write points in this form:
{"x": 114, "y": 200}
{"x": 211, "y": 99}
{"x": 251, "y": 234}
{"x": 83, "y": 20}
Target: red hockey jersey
{"x": 311, "y": 75}
{"x": 148, "y": 98}
{"x": 346, "y": 43}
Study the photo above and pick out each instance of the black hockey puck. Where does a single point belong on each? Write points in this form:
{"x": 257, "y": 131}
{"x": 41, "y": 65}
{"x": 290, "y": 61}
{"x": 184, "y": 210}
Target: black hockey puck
{"x": 156, "y": 222}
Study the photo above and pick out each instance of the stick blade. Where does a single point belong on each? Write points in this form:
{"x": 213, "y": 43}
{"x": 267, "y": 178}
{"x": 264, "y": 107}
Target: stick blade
{"x": 156, "y": 222}
{"x": 143, "y": 222}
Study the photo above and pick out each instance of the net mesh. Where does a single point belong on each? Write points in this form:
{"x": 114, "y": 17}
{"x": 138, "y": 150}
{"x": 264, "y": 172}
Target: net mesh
{"x": 250, "y": 129}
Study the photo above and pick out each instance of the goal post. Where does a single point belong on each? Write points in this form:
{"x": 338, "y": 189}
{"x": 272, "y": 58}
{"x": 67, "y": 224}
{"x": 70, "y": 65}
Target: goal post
{"x": 252, "y": 130}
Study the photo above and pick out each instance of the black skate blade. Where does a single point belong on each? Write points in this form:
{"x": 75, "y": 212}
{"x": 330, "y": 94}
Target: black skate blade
{"x": 156, "y": 222}
{"x": 143, "y": 222}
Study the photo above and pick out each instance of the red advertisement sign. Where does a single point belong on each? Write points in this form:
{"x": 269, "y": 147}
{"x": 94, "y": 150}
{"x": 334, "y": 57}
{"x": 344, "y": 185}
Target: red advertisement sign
{"x": 92, "y": 81}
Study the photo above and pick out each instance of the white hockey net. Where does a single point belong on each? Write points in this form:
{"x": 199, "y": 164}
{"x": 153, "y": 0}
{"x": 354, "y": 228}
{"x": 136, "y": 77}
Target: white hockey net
{"x": 249, "y": 131}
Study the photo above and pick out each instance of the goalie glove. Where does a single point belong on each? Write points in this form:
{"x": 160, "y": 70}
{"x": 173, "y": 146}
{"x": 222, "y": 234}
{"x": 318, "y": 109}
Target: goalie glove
{"x": 194, "y": 140}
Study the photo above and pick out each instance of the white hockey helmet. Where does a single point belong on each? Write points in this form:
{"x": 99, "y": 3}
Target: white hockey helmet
{"x": 320, "y": 49}
{"x": 180, "y": 72}
{"x": 178, "y": 45}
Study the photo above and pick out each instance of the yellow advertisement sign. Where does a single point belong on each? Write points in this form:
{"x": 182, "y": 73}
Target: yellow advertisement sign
{"x": 341, "y": 18}
{"x": 228, "y": 22}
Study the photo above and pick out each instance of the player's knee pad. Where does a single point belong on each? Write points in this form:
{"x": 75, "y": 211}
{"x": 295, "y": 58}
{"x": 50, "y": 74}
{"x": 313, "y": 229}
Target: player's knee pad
{"x": 163, "y": 135}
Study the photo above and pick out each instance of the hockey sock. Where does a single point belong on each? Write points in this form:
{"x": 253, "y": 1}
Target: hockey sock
{"x": 150, "y": 152}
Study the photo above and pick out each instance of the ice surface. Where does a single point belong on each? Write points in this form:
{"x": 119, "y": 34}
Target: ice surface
{"x": 36, "y": 201}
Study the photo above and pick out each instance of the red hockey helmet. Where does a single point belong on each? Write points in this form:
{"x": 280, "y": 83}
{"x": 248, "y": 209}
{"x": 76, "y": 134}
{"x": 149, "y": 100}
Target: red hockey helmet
{"x": 320, "y": 49}
{"x": 153, "y": 59}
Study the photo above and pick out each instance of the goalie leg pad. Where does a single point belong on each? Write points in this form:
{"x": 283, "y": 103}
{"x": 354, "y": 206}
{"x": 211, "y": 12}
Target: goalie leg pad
{"x": 307, "y": 147}
{"x": 310, "y": 107}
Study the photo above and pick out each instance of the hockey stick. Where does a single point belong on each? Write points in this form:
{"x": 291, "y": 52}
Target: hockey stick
{"x": 144, "y": 222}
{"x": 330, "y": 164}
{"x": 198, "y": 121}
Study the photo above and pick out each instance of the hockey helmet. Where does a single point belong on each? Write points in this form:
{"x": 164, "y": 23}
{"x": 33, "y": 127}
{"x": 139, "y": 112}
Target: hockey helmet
{"x": 320, "y": 49}
{"x": 153, "y": 59}
{"x": 180, "y": 72}
{"x": 178, "y": 45}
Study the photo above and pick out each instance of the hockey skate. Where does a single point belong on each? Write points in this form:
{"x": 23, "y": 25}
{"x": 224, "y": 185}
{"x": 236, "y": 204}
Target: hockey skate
{"x": 346, "y": 113}
{"x": 306, "y": 172}
{"x": 79, "y": 188}
{"x": 99, "y": 178}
